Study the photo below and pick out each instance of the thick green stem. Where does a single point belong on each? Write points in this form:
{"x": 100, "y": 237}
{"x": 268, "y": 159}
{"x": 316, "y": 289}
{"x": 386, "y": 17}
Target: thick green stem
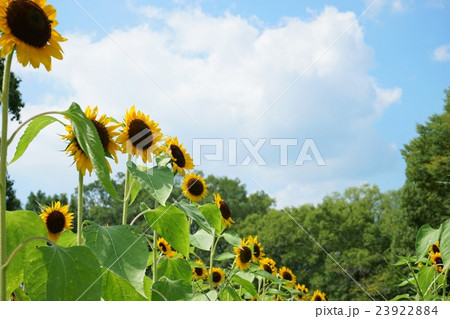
{"x": 4, "y": 147}
{"x": 126, "y": 195}
{"x": 155, "y": 254}
{"x": 80, "y": 208}
{"x": 211, "y": 257}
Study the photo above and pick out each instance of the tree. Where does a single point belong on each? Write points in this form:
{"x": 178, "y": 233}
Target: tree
{"x": 425, "y": 194}
{"x": 12, "y": 202}
{"x": 36, "y": 201}
{"x": 15, "y": 97}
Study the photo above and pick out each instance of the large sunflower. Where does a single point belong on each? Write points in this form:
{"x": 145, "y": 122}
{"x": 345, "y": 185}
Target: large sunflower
{"x": 140, "y": 135}
{"x": 224, "y": 210}
{"x": 319, "y": 296}
{"x": 106, "y": 135}
{"x": 181, "y": 160}
{"x": 286, "y": 273}
{"x": 302, "y": 289}
{"x": 57, "y": 219}
{"x": 165, "y": 248}
{"x": 199, "y": 272}
{"x": 437, "y": 261}
{"x": 435, "y": 248}
{"x": 268, "y": 265}
{"x": 194, "y": 187}
{"x": 257, "y": 249}
{"x": 217, "y": 275}
{"x": 243, "y": 256}
{"x": 28, "y": 26}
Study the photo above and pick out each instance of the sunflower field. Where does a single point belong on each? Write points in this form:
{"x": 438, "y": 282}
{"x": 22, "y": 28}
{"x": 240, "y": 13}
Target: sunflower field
{"x": 44, "y": 256}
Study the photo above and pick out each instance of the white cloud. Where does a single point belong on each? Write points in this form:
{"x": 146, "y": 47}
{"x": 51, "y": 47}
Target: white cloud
{"x": 224, "y": 71}
{"x": 442, "y": 53}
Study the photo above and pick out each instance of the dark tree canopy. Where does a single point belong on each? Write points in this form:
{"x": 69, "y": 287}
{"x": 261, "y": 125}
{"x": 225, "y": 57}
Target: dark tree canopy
{"x": 15, "y": 97}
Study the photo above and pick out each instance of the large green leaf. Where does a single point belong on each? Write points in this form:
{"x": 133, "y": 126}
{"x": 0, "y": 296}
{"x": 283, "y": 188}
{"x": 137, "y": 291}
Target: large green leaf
{"x": 425, "y": 278}
{"x": 172, "y": 224}
{"x": 116, "y": 288}
{"x": 232, "y": 238}
{"x": 21, "y": 225}
{"x": 175, "y": 268}
{"x": 134, "y": 191}
{"x": 202, "y": 240}
{"x": 59, "y": 273}
{"x": 120, "y": 249}
{"x": 89, "y": 141}
{"x": 157, "y": 181}
{"x": 209, "y": 296}
{"x": 193, "y": 212}
{"x": 33, "y": 129}
{"x": 426, "y": 237}
{"x": 171, "y": 290}
{"x": 213, "y": 216}
{"x": 67, "y": 239}
{"x": 444, "y": 244}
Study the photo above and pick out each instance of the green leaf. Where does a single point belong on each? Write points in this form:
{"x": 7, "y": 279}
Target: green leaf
{"x": 425, "y": 277}
{"x": 232, "y": 238}
{"x": 87, "y": 137}
{"x": 175, "y": 268}
{"x": 67, "y": 239}
{"x": 401, "y": 297}
{"x": 444, "y": 244}
{"x": 225, "y": 256}
{"x": 21, "y": 225}
{"x": 116, "y": 288}
{"x": 120, "y": 249}
{"x": 58, "y": 273}
{"x": 202, "y": 240}
{"x": 232, "y": 293}
{"x": 193, "y": 212}
{"x": 157, "y": 181}
{"x": 30, "y": 133}
{"x": 135, "y": 188}
{"x": 213, "y": 216}
{"x": 426, "y": 237}
{"x": 172, "y": 224}
{"x": 247, "y": 285}
{"x": 209, "y": 296}
{"x": 271, "y": 277}
{"x": 171, "y": 290}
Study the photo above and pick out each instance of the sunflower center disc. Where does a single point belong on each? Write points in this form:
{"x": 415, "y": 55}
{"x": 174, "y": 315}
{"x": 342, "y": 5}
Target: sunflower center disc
{"x": 267, "y": 268}
{"x": 56, "y": 222}
{"x": 178, "y": 155}
{"x": 435, "y": 249}
{"x": 246, "y": 254}
{"x": 256, "y": 251}
{"x": 317, "y": 298}
{"x": 195, "y": 187}
{"x": 102, "y": 133}
{"x": 287, "y": 276}
{"x": 140, "y": 134}
{"x": 29, "y": 23}
{"x": 198, "y": 271}
{"x": 225, "y": 210}
{"x": 163, "y": 247}
{"x": 216, "y": 277}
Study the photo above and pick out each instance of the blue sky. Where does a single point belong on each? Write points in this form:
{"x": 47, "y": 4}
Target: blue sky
{"x": 225, "y": 62}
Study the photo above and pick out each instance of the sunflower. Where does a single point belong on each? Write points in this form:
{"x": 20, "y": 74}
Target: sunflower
{"x": 28, "y": 26}
{"x": 243, "y": 256}
{"x": 217, "y": 276}
{"x": 105, "y": 133}
{"x": 319, "y": 296}
{"x": 304, "y": 290}
{"x": 181, "y": 160}
{"x": 140, "y": 135}
{"x": 194, "y": 187}
{"x": 57, "y": 219}
{"x": 286, "y": 273}
{"x": 437, "y": 262}
{"x": 435, "y": 248}
{"x": 257, "y": 249}
{"x": 268, "y": 265}
{"x": 224, "y": 210}
{"x": 199, "y": 272}
{"x": 165, "y": 248}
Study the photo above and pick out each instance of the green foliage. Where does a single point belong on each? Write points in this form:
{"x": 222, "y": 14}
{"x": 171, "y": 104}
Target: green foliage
{"x": 12, "y": 202}
{"x": 175, "y": 269}
{"x": 115, "y": 288}
{"x": 57, "y": 273}
{"x": 171, "y": 290}
{"x": 120, "y": 249}
{"x": 15, "y": 97}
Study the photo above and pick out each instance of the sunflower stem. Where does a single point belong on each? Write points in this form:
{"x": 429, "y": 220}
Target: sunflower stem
{"x": 4, "y": 148}
{"x": 211, "y": 257}
{"x": 80, "y": 208}
{"x": 155, "y": 239}
{"x": 125, "y": 194}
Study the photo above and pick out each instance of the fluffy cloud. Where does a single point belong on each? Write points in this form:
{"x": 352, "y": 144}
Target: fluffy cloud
{"x": 442, "y": 53}
{"x": 202, "y": 76}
